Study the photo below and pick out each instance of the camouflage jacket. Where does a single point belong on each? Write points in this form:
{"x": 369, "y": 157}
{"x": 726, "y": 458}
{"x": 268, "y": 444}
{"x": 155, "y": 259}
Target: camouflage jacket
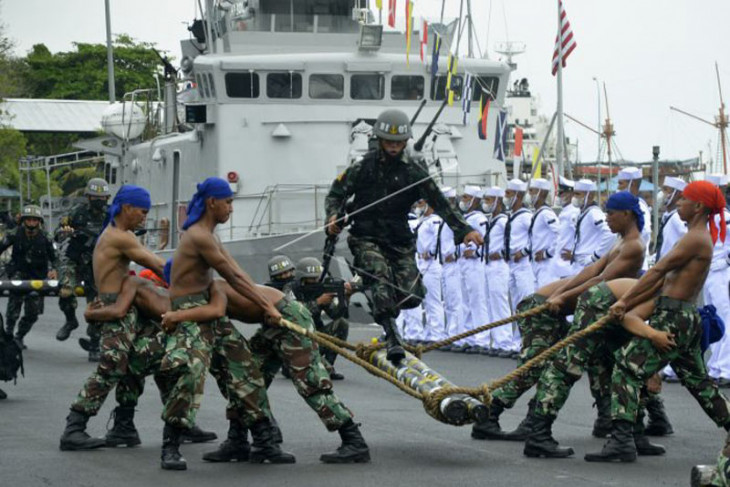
{"x": 371, "y": 179}
{"x": 32, "y": 257}
{"x": 78, "y": 246}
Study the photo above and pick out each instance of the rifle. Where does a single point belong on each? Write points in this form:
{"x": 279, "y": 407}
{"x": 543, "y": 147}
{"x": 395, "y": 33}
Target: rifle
{"x": 418, "y": 112}
{"x": 310, "y": 292}
{"x": 418, "y": 146}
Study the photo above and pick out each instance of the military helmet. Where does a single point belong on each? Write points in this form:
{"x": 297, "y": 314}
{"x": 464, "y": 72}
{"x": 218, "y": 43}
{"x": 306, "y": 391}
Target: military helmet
{"x": 393, "y": 125}
{"x": 308, "y": 267}
{"x": 97, "y": 187}
{"x": 279, "y": 264}
{"x": 32, "y": 211}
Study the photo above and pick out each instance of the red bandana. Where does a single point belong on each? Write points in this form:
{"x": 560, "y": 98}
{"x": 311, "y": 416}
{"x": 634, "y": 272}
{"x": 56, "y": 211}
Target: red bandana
{"x": 709, "y": 195}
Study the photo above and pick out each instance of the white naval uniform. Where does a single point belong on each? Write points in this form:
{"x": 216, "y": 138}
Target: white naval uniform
{"x": 567, "y": 219}
{"x": 410, "y": 321}
{"x": 450, "y": 280}
{"x": 474, "y": 284}
{"x": 543, "y": 234}
{"x": 497, "y": 279}
{"x": 427, "y": 235}
{"x": 715, "y": 293}
{"x": 646, "y": 231}
{"x": 593, "y": 238}
{"x": 521, "y": 277}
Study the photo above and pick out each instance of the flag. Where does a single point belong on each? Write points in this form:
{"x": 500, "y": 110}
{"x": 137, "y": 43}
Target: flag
{"x": 483, "y": 116}
{"x": 500, "y": 141}
{"x": 453, "y": 63}
{"x": 519, "y": 134}
{"x": 564, "y": 42}
{"x": 391, "y": 13}
{"x": 424, "y": 40}
{"x": 435, "y": 55}
{"x": 466, "y": 99}
{"x": 379, "y": 4}
{"x": 535, "y": 157}
{"x": 409, "y": 30}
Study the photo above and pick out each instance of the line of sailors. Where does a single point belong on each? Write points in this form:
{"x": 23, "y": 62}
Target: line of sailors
{"x": 527, "y": 246}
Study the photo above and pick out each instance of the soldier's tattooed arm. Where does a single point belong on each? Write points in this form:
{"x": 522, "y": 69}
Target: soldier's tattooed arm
{"x": 215, "y": 309}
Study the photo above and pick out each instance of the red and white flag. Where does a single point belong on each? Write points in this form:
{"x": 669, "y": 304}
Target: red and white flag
{"x": 564, "y": 43}
{"x": 391, "y": 13}
{"x": 424, "y": 39}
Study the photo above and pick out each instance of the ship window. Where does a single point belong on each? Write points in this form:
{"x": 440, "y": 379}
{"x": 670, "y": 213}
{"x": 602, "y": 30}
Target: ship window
{"x": 206, "y": 87}
{"x": 406, "y": 87}
{"x": 487, "y": 85}
{"x": 326, "y": 86}
{"x": 242, "y": 85}
{"x": 367, "y": 87}
{"x": 438, "y": 87}
{"x": 199, "y": 80}
{"x": 211, "y": 84}
{"x": 284, "y": 85}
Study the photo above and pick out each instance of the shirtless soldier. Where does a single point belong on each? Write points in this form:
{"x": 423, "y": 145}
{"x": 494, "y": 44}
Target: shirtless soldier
{"x": 115, "y": 248}
{"x": 193, "y": 347}
{"x": 541, "y": 331}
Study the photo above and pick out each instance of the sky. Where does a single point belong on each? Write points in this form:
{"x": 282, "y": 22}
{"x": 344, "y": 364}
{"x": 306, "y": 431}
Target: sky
{"x": 650, "y": 54}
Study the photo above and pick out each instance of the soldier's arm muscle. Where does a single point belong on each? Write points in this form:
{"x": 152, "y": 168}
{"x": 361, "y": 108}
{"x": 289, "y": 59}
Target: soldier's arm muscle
{"x": 130, "y": 247}
{"x": 215, "y": 309}
{"x": 588, "y": 272}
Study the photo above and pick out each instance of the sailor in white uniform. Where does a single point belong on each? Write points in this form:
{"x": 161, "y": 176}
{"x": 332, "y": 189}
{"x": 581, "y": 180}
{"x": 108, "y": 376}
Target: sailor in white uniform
{"x": 593, "y": 238}
{"x": 543, "y": 232}
{"x": 472, "y": 273}
{"x": 517, "y": 248}
{"x": 410, "y": 321}
{"x": 427, "y": 238}
{"x": 629, "y": 179}
{"x": 450, "y": 274}
{"x": 560, "y": 265}
{"x": 497, "y": 272}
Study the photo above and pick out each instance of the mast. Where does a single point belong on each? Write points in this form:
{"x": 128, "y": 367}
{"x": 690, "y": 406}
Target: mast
{"x": 559, "y": 156}
{"x": 109, "y": 54}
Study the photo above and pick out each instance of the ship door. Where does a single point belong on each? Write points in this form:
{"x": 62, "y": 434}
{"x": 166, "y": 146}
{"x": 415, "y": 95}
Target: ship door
{"x": 175, "y": 198}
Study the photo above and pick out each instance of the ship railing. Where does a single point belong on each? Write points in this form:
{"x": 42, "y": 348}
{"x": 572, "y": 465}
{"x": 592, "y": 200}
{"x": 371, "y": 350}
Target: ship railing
{"x": 148, "y": 99}
{"x": 315, "y": 23}
{"x": 263, "y": 219}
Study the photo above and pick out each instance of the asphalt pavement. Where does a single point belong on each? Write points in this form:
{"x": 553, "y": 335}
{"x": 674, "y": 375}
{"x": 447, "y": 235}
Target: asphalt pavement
{"x": 408, "y": 448}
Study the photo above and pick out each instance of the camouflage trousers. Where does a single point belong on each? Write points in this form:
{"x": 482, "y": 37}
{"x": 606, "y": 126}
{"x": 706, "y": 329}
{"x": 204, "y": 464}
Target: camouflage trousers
{"x": 195, "y": 348}
{"x": 275, "y": 346}
{"x": 593, "y": 352}
{"x": 638, "y": 360}
{"x": 390, "y": 273}
{"x": 721, "y": 476}
{"x": 538, "y": 334}
{"x": 71, "y": 274}
{"x": 339, "y": 328}
{"x": 117, "y": 338}
{"x": 33, "y": 308}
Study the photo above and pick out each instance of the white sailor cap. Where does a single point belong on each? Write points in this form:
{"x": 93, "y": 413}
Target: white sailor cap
{"x": 448, "y": 192}
{"x": 494, "y": 191}
{"x": 674, "y": 183}
{"x": 517, "y": 185}
{"x": 472, "y": 190}
{"x": 585, "y": 185}
{"x": 563, "y": 181}
{"x": 717, "y": 179}
{"x": 629, "y": 174}
{"x": 540, "y": 183}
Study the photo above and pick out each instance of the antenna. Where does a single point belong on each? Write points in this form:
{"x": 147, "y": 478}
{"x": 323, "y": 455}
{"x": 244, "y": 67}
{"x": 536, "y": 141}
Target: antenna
{"x": 510, "y": 49}
{"x": 720, "y": 123}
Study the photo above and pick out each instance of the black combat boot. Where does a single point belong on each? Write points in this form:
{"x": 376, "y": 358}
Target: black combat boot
{"x": 65, "y": 331}
{"x": 235, "y": 447}
{"x": 659, "y": 424}
{"x": 74, "y": 437}
{"x": 524, "y": 429}
{"x": 3, "y": 395}
{"x": 276, "y": 433}
{"x": 644, "y": 447}
{"x": 353, "y": 448}
{"x": 540, "y": 443}
{"x": 198, "y": 435}
{"x": 123, "y": 432}
{"x": 171, "y": 458}
{"x": 602, "y": 424}
{"x": 264, "y": 448}
{"x": 620, "y": 447}
{"x": 394, "y": 343}
{"x": 334, "y": 375}
{"x": 490, "y": 429}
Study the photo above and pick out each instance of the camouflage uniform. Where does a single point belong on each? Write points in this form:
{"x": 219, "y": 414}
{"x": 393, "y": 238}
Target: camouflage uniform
{"x": 30, "y": 259}
{"x": 380, "y": 239}
{"x": 76, "y": 259}
{"x": 721, "y": 476}
{"x": 117, "y": 339}
{"x": 194, "y": 348}
{"x": 638, "y": 360}
{"x": 276, "y": 346}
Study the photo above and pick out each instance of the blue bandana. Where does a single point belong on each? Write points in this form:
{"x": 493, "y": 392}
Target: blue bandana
{"x": 622, "y": 201}
{"x": 128, "y": 194}
{"x": 167, "y": 271}
{"x": 210, "y": 188}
